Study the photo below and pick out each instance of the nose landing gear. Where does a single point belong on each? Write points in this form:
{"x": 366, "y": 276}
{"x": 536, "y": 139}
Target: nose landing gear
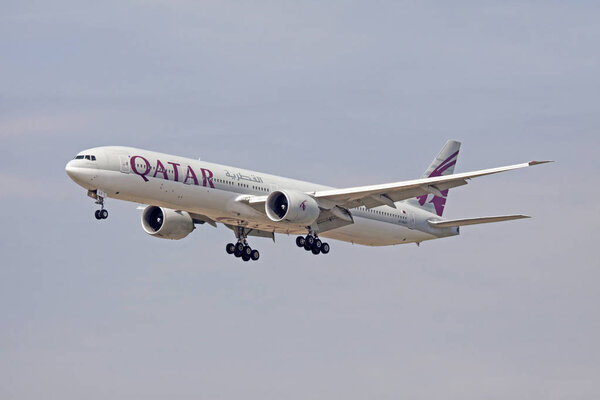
{"x": 101, "y": 213}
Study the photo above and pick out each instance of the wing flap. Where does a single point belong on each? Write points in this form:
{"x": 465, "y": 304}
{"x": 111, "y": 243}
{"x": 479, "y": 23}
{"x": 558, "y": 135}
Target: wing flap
{"x": 474, "y": 221}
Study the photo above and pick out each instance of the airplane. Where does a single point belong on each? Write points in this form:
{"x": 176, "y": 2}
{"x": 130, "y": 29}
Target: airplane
{"x": 181, "y": 193}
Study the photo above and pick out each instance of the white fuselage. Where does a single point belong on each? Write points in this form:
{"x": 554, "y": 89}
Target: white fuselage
{"x": 214, "y": 191}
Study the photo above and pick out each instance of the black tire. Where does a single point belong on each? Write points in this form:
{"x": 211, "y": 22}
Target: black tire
{"x": 316, "y": 250}
{"x": 97, "y": 214}
{"x": 103, "y": 214}
{"x": 310, "y": 240}
{"x": 300, "y": 241}
{"x": 237, "y": 253}
{"x": 230, "y": 248}
{"x": 325, "y": 248}
{"x": 247, "y": 251}
{"x": 245, "y": 257}
{"x": 255, "y": 255}
{"x": 239, "y": 246}
{"x": 317, "y": 244}
{"x": 307, "y": 247}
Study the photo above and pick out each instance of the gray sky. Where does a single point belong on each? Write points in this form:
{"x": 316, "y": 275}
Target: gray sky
{"x": 338, "y": 93}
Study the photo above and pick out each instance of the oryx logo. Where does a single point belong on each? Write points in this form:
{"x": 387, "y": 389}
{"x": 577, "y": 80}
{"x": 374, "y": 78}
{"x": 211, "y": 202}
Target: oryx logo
{"x": 303, "y": 205}
{"x": 440, "y": 202}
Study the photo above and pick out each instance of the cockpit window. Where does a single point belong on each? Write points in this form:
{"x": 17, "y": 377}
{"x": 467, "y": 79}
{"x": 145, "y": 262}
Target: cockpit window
{"x": 86, "y": 157}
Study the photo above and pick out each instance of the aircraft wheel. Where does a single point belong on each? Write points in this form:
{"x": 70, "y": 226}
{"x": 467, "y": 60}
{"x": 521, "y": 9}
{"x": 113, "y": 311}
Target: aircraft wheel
{"x": 317, "y": 244}
{"x": 325, "y": 248}
{"x": 255, "y": 255}
{"x": 310, "y": 240}
{"x": 97, "y": 214}
{"x": 245, "y": 257}
{"x": 239, "y": 247}
{"x": 237, "y": 253}
{"x": 103, "y": 214}
{"x": 230, "y": 248}
{"x": 316, "y": 250}
{"x": 247, "y": 251}
{"x": 300, "y": 241}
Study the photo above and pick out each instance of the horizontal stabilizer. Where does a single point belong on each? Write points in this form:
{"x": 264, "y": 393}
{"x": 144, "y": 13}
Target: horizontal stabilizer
{"x": 474, "y": 221}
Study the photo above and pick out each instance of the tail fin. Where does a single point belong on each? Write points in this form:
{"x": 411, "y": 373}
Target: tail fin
{"x": 443, "y": 164}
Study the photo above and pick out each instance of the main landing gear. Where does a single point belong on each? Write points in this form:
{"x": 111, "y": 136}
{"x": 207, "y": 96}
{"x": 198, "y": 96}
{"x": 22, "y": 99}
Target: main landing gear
{"x": 101, "y": 213}
{"x": 241, "y": 249}
{"x": 312, "y": 243}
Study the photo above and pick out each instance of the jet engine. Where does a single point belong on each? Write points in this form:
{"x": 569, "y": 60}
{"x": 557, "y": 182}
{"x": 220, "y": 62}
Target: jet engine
{"x": 165, "y": 223}
{"x": 295, "y": 207}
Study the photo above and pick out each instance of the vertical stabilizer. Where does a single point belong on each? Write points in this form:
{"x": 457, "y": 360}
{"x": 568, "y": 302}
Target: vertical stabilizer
{"x": 443, "y": 164}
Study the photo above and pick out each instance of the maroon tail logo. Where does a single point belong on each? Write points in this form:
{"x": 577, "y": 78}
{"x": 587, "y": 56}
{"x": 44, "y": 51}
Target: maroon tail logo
{"x": 439, "y": 202}
{"x": 303, "y": 205}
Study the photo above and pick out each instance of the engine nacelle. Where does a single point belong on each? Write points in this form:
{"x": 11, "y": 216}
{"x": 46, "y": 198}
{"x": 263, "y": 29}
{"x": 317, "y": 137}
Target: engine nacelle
{"x": 294, "y": 207}
{"x": 165, "y": 223}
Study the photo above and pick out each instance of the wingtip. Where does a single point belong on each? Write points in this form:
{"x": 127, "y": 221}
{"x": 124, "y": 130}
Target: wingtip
{"x": 520, "y": 216}
{"x": 540, "y": 162}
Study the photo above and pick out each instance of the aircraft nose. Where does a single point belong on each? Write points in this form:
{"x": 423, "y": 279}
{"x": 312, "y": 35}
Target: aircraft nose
{"x": 79, "y": 174}
{"x": 75, "y": 172}
{"x": 70, "y": 170}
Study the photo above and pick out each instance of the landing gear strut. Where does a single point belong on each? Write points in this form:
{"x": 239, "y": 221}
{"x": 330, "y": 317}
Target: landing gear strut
{"x": 101, "y": 213}
{"x": 241, "y": 249}
{"x": 312, "y": 243}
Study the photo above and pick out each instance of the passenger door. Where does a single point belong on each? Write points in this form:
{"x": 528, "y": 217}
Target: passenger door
{"x": 411, "y": 220}
{"x": 124, "y": 164}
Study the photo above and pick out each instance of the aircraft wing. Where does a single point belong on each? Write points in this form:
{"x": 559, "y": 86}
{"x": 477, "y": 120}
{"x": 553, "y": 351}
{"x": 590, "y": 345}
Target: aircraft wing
{"x": 389, "y": 193}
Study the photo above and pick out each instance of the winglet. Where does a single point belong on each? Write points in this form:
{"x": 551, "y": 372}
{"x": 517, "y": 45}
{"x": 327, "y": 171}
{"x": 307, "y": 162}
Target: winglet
{"x": 539, "y": 162}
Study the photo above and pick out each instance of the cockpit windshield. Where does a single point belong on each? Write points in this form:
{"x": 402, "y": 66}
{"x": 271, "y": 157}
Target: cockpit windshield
{"x": 86, "y": 157}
